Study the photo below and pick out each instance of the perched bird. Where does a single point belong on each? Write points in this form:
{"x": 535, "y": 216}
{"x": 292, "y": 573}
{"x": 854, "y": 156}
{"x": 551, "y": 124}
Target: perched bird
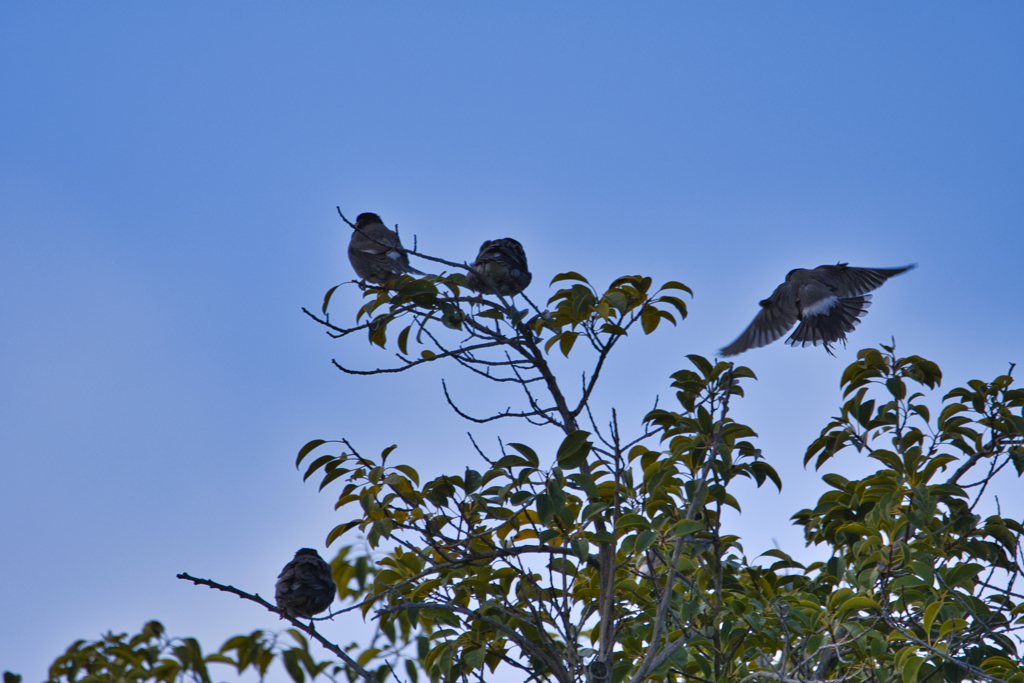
{"x": 828, "y": 301}
{"x": 305, "y": 586}
{"x": 376, "y": 252}
{"x": 500, "y": 268}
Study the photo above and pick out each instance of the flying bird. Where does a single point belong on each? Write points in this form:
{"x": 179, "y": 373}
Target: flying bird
{"x": 305, "y": 586}
{"x": 376, "y": 252}
{"x": 500, "y": 268}
{"x": 827, "y": 301}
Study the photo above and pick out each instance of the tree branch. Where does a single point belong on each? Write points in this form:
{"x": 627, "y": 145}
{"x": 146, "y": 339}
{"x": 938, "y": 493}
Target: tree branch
{"x": 351, "y": 663}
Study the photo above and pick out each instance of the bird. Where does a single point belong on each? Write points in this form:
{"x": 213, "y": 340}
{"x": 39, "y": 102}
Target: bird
{"x": 828, "y": 301}
{"x": 305, "y": 586}
{"x": 500, "y": 268}
{"x": 375, "y": 251}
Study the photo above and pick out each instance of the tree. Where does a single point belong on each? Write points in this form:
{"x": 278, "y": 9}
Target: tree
{"x": 610, "y": 559}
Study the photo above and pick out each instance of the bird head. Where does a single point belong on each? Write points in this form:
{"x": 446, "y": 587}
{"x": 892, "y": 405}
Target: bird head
{"x": 364, "y": 219}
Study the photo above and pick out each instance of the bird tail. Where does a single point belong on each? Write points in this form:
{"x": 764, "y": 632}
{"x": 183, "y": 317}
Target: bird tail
{"x": 831, "y": 326}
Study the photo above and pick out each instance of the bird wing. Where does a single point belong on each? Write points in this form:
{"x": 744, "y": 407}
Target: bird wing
{"x": 778, "y": 314}
{"x": 508, "y": 252}
{"x": 849, "y": 282}
{"x": 375, "y": 238}
{"x": 380, "y": 246}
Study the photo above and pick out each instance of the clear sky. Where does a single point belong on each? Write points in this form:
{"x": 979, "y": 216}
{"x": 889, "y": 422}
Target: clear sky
{"x": 168, "y": 178}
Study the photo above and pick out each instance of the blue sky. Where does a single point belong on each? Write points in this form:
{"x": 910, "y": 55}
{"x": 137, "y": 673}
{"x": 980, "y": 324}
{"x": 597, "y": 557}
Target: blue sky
{"x": 168, "y": 178}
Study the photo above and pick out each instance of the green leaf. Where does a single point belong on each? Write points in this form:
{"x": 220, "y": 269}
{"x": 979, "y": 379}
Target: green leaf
{"x": 409, "y": 472}
{"x": 858, "y": 602}
{"x": 672, "y": 284}
{"x": 582, "y": 302}
{"x": 902, "y": 656}
{"x": 378, "y": 330}
{"x": 923, "y": 570}
{"x": 403, "y": 340}
{"x": 304, "y": 451}
{"x": 617, "y": 300}
{"x": 545, "y": 510}
{"x": 896, "y": 387}
{"x": 571, "y": 275}
{"x": 367, "y": 656}
{"x": 291, "y": 664}
{"x": 565, "y": 342}
{"x": 631, "y": 520}
{"x": 649, "y": 319}
{"x": 552, "y": 341}
{"x": 317, "y": 464}
{"x": 763, "y": 468}
{"x": 910, "y": 669}
{"x": 702, "y": 364}
{"x": 963, "y": 574}
{"x": 527, "y": 453}
{"x": 587, "y": 484}
{"x": 493, "y": 313}
{"x": 1017, "y": 454}
{"x": 613, "y": 329}
{"x": 327, "y": 298}
{"x": 836, "y": 481}
{"x": 644, "y": 540}
{"x": 929, "y": 618}
{"x": 686, "y": 527}
{"x": 337, "y": 531}
{"x": 474, "y": 657}
{"x": 679, "y": 304}
{"x": 574, "y": 449}
{"x": 473, "y": 480}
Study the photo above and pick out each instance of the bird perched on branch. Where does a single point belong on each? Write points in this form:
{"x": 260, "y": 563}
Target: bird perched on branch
{"x": 500, "y": 268}
{"x": 376, "y": 252}
{"x": 305, "y": 586}
{"x": 827, "y": 301}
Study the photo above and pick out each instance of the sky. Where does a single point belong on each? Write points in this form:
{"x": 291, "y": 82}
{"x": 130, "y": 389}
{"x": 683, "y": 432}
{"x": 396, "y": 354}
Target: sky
{"x": 169, "y": 174}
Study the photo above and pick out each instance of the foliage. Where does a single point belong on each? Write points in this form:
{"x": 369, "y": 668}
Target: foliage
{"x": 152, "y": 656}
{"x": 609, "y": 558}
{"x": 934, "y": 580}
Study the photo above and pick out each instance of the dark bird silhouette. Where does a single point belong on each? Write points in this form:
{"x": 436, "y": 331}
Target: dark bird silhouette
{"x": 500, "y": 268}
{"x": 828, "y": 301}
{"x": 376, "y": 252}
{"x": 305, "y": 586}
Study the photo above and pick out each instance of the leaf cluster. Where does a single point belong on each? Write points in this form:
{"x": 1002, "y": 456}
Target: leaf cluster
{"x": 438, "y": 319}
{"x": 508, "y": 565}
{"x": 151, "y": 656}
{"x": 935, "y": 578}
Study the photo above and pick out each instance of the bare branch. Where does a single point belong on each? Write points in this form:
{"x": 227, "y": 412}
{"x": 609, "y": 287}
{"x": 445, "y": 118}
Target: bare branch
{"x": 601, "y": 358}
{"x": 507, "y": 413}
{"x": 411, "y": 364}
